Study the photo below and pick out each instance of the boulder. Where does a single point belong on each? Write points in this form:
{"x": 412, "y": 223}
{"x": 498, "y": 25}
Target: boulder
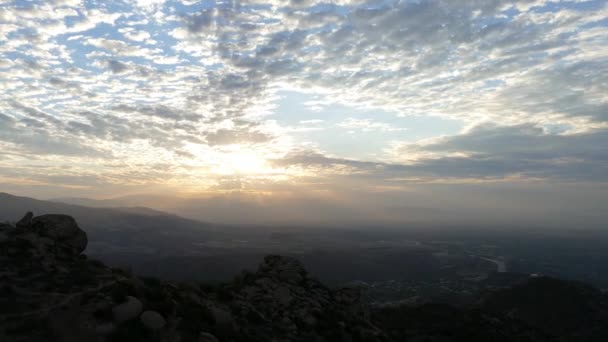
{"x": 282, "y": 295}
{"x": 285, "y": 269}
{"x": 280, "y": 263}
{"x": 291, "y": 276}
{"x": 105, "y": 328}
{"x": 348, "y": 295}
{"x": 127, "y": 310}
{"x": 207, "y": 337}
{"x": 152, "y": 320}
{"x": 224, "y": 322}
{"x": 63, "y": 230}
{"x": 26, "y": 221}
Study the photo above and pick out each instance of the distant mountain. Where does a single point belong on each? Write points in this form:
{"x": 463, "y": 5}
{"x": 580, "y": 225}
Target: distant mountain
{"x": 118, "y": 231}
{"x": 89, "y": 202}
{"x": 108, "y": 203}
{"x": 257, "y": 209}
{"x": 12, "y": 207}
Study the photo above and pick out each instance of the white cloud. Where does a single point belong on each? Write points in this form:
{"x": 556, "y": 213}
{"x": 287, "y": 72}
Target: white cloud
{"x": 369, "y": 125}
{"x": 200, "y": 81}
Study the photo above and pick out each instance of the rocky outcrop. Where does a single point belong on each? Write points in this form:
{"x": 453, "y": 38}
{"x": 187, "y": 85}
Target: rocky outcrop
{"x": 127, "y": 310}
{"x": 283, "y": 301}
{"x": 50, "y": 291}
{"x": 63, "y": 230}
{"x": 153, "y": 320}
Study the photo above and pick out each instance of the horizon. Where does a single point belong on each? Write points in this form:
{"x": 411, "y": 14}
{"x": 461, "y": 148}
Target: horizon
{"x": 311, "y": 112}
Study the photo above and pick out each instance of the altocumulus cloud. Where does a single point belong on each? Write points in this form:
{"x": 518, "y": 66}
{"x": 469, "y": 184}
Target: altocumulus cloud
{"x": 195, "y": 84}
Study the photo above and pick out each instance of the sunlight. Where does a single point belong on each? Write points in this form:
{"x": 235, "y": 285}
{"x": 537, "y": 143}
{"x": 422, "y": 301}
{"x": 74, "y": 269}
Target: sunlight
{"x": 243, "y": 162}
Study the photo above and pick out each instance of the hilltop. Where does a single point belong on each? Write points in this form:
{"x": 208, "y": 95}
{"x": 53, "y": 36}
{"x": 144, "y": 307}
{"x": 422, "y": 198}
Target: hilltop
{"x": 51, "y": 291}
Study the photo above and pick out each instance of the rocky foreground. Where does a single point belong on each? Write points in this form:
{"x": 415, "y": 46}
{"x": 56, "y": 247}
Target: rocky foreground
{"x": 50, "y": 291}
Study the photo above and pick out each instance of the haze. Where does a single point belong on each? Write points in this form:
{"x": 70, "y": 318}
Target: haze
{"x": 317, "y": 112}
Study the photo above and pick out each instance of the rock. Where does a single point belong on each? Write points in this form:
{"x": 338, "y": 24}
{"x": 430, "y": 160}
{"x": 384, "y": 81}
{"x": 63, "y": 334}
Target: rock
{"x": 127, "y": 310}
{"x": 105, "y": 328}
{"x": 223, "y": 321}
{"x": 207, "y": 337}
{"x": 63, "y": 230}
{"x": 306, "y": 318}
{"x": 291, "y": 276}
{"x": 280, "y": 264}
{"x": 283, "y": 295}
{"x": 26, "y": 220}
{"x": 348, "y": 295}
{"x": 152, "y": 320}
{"x": 44, "y": 276}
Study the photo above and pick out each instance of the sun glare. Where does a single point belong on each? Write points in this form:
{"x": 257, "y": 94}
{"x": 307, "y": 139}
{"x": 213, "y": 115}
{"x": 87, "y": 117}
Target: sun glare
{"x": 243, "y": 162}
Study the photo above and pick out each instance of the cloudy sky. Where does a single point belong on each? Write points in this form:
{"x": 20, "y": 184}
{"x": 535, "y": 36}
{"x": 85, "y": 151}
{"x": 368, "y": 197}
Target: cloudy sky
{"x": 383, "y": 100}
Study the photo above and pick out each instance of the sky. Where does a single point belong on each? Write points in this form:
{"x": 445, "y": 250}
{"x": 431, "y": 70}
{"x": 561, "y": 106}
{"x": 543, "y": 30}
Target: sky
{"x": 366, "y": 105}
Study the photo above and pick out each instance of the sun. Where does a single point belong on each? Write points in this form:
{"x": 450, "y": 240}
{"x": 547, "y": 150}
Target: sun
{"x": 241, "y": 161}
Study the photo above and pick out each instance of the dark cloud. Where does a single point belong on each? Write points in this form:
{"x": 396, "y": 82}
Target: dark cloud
{"x": 159, "y": 111}
{"x": 117, "y": 67}
{"x": 30, "y": 136}
{"x": 233, "y": 136}
{"x": 199, "y": 22}
{"x": 526, "y": 150}
{"x": 539, "y": 75}
{"x": 485, "y": 152}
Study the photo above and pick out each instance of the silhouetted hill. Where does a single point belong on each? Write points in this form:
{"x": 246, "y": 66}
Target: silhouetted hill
{"x": 49, "y": 291}
{"x": 566, "y": 309}
{"x": 441, "y": 322}
{"x": 11, "y": 204}
{"x": 93, "y": 203}
{"x": 116, "y": 231}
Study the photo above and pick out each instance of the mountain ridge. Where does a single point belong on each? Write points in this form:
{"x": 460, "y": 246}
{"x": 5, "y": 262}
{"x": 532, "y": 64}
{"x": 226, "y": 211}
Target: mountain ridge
{"x": 75, "y": 298}
{"x": 51, "y": 291}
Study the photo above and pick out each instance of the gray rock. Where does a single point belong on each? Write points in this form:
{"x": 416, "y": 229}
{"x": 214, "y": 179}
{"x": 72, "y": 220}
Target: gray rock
{"x": 26, "y": 220}
{"x": 63, "y": 230}
{"x": 283, "y": 295}
{"x": 207, "y": 337}
{"x": 280, "y": 263}
{"x": 348, "y": 295}
{"x": 223, "y": 321}
{"x": 291, "y": 276}
{"x": 105, "y": 328}
{"x": 152, "y": 320}
{"x": 127, "y": 310}
{"x": 306, "y": 318}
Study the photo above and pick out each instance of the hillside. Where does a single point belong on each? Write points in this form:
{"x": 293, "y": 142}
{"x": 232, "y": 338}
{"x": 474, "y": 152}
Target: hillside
{"x": 115, "y": 229}
{"x": 51, "y": 291}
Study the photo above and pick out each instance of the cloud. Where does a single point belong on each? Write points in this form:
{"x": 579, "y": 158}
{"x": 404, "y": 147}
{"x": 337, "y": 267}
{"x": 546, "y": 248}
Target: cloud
{"x": 484, "y": 152}
{"x": 368, "y": 125}
{"x": 29, "y": 137}
{"x": 117, "y": 67}
{"x": 134, "y": 34}
{"x": 501, "y": 151}
{"x": 232, "y": 136}
{"x": 189, "y": 82}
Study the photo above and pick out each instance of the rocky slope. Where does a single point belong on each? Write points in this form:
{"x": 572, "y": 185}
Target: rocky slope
{"x": 50, "y": 291}
{"x": 566, "y": 310}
